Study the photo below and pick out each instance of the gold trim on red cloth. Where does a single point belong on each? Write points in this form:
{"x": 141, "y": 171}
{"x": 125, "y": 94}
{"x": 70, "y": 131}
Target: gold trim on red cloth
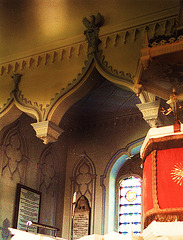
{"x": 163, "y": 215}
{"x": 156, "y": 213}
{"x": 154, "y": 179}
{"x": 167, "y": 142}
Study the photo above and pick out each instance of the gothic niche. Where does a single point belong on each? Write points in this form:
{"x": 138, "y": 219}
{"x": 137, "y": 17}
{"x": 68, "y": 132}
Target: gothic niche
{"x": 48, "y": 186}
{"x": 81, "y": 218}
{"x": 14, "y": 155}
{"x": 83, "y": 182}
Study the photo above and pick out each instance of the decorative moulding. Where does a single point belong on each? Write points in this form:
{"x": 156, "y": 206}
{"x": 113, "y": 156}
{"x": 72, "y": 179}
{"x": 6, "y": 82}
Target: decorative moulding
{"x": 104, "y": 31}
{"x": 115, "y": 76}
{"x": 42, "y": 58}
{"x": 161, "y": 15}
{"x": 57, "y": 51}
{"x": 22, "y": 103}
{"x": 58, "y": 54}
{"x": 55, "y": 55}
{"x": 47, "y": 131}
{"x": 107, "y": 122}
{"x": 70, "y": 88}
{"x": 36, "y": 110}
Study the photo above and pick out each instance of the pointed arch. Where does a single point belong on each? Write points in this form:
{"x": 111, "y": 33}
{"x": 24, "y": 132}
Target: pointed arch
{"x": 84, "y": 182}
{"x": 15, "y": 156}
{"x": 108, "y": 187}
{"x": 48, "y": 185}
{"x": 9, "y": 115}
{"x": 48, "y": 174}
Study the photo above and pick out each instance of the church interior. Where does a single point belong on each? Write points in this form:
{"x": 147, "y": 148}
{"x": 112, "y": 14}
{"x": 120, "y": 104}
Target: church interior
{"x": 90, "y": 98}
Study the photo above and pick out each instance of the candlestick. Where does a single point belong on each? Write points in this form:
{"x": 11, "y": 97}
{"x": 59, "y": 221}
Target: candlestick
{"x": 74, "y": 197}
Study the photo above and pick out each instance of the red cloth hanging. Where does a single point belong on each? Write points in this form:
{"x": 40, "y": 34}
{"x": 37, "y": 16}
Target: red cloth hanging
{"x": 147, "y": 185}
{"x": 169, "y": 191}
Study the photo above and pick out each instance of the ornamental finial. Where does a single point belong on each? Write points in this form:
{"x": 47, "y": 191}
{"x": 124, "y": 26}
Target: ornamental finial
{"x": 92, "y": 31}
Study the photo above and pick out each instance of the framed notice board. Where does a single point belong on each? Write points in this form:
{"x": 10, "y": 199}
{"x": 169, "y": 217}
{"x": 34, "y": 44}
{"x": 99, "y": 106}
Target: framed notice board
{"x": 27, "y": 207}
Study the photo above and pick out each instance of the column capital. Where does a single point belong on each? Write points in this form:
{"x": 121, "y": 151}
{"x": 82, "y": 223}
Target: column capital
{"x": 47, "y": 131}
{"x": 151, "y": 112}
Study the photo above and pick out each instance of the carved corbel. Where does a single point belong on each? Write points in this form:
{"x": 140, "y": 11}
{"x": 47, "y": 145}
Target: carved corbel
{"x": 47, "y": 131}
{"x": 151, "y": 113}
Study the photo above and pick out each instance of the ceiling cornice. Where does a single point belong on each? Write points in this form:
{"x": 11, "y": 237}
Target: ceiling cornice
{"x": 105, "y": 31}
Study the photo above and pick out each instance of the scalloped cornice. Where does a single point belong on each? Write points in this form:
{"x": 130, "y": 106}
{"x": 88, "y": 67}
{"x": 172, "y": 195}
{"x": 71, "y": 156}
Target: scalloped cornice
{"x": 102, "y": 65}
{"x": 42, "y": 58}
{"x": 37, "y": 110}
{"x": 56, "y": 103}
{"x": 22, "y": 103}
{"x": 164, "y": 26}
{"x": 115, "y": 76}
{"x": 55, "y": 52}
{"x": 70, "y": 93}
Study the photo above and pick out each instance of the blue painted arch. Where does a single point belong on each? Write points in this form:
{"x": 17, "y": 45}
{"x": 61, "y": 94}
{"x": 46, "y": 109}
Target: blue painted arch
{"x": 116, "y": 163}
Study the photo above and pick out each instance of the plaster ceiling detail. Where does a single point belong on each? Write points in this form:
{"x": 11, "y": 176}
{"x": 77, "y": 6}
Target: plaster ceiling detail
{"x": 53, "y": 80}
{"x": 109, "y": 41}
{"x": 107, "y": 54}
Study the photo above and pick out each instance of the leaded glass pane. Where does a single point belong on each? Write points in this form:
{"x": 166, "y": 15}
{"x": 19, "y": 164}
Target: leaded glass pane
{"x": 130, "y": 206}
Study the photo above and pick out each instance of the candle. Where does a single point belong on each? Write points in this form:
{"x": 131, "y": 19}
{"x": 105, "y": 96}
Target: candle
{"x": 74, "y": 198}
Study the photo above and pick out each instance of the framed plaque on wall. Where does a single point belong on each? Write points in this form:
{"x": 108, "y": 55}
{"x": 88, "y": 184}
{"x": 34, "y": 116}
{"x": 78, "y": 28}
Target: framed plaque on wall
{"x": 27, "y": 207}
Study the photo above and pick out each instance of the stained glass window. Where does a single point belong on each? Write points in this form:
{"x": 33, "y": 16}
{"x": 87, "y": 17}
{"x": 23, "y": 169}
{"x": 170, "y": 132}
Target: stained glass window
{"x": 130, "y": 206}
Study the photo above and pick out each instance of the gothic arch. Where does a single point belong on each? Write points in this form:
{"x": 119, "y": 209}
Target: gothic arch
{"x": 84, "y": 183}
{"x": 8, "y": 116}
{"x": 108, "y": 180}
{"x": 15, "y": 156}
{"x": 48, "y": 166}
{"x": 48, "y": 184}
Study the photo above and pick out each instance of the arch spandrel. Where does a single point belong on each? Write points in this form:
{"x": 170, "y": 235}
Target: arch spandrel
{"x": 54, "y": 73}
{"x": 9, "y": 115}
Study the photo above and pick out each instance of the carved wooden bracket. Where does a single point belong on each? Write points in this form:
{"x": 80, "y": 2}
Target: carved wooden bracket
{"x": 47, "y": 131}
